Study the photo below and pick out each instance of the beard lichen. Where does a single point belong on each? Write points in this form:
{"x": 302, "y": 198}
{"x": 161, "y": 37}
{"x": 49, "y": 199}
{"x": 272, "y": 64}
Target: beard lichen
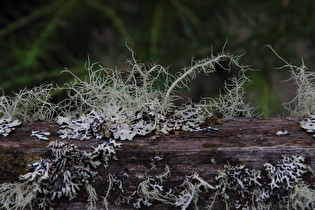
{"x": 29, "y": 105}
{"x": 125, "y": 105}
{"x": 303, "y": 104}
{"x": 108, "y": 104}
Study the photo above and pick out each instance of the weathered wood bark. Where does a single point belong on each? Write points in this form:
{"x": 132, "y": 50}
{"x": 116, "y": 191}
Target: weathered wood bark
{"x": 249, "y": 141}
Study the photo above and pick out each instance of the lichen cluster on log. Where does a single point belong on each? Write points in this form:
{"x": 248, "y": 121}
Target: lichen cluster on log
{"x": 248, "y": 141}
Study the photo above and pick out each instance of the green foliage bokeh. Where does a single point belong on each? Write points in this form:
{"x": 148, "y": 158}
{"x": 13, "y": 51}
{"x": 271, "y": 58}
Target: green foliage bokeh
{"x": 40, "y": 38}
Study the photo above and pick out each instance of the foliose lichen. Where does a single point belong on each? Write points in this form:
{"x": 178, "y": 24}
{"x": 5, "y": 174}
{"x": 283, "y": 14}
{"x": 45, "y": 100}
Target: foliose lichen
{"x": 283, "y": 189}
{"x": 309, "y": 124}
{"x": 110, "y": 104}
{"x": 62, "y": 174}
{"x": 237, "y": 180}
{"x": 7, "y": 126}
{"x": 286, "y": 172}
{"x": 41, "y": 135}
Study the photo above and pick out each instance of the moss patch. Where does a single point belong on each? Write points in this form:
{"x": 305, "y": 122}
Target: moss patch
{"x": 15, "y": 162}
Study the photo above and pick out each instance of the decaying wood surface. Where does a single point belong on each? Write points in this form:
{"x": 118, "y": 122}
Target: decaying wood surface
{"x": 249, "y": 141}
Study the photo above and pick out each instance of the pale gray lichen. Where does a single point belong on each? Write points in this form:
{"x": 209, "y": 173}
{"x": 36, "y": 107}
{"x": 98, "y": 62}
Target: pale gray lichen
{"x": 151, "y": 189}
{"x": 236, "y": 180}
{"x": 193, "y": 186}
{"x": 309, "y": 124}
{"x": 207, "y": 129}
{"x": 7, "y": 126}
{"x": 19, "y": 195}
{"x": 301, "y": 196}
{"x": 154, "y": 160}
{"x": 231, "y": 103}
{"x": 304, "y": 101}
{"x": 93, "y": 125}
{"x": 29, "y": 105}
{"x": 283, "y": 133}
{"x": 62, "y": 174}
{"x": 285, "y": 184}
{"x": 284, "y": 188}
{"x": 92, "y": 197}
{"x": 187, "y": 195}
{"x": 104, "y": 152}
{"x": 110, "y": 104}
{"x": 41, "y": 135}
{"x": 303, "y": 104}
{"x": 286, "y": 172}
{"x": 115, "y": 187}
{"x": 75, "y": 129}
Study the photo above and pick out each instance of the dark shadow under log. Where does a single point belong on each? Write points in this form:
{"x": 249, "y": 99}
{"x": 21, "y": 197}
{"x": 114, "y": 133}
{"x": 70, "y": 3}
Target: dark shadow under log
{"x": 248, "y": 141}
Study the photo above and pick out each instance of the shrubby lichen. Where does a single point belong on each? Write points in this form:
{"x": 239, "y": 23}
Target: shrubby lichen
{"x": 126, "y": 105}
{"x": 301, "y": 196}
{"x": 238, "y": 187}
{"x": 122, "y": 105}
{"x": 115, "y": 186}
{"x": 303, "y": 104}
{"x": 109, "y": 104}
{"x": 151, "y": 189}
{"x": 29, "y": 105}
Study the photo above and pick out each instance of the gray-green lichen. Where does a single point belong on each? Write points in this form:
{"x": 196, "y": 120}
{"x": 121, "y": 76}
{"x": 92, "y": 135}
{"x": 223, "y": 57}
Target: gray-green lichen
{"x": 62, "y": 174}
{"x": 41, "y": 135}
{"x": 29, "y": 105}
{"x": 303, "y": 104}
{"x": 115, "y": 186}
{"x": 108, "y": 104}
{"x": 7, "y": 126}
{"x": 123, "y": 105}
{"x": 237, "y": 187}
{"x": 309, "y": 124}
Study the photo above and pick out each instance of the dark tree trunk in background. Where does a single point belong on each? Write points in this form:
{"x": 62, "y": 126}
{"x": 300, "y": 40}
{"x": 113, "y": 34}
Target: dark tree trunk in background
{"x": 249, "y": 141}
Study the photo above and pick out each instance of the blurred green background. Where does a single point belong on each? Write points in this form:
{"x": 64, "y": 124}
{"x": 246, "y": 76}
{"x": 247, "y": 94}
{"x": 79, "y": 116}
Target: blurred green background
{"x": 40, "y": 38}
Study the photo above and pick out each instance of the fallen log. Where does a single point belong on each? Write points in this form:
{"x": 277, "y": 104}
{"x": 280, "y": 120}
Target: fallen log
{"x": 235, "y": 141}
